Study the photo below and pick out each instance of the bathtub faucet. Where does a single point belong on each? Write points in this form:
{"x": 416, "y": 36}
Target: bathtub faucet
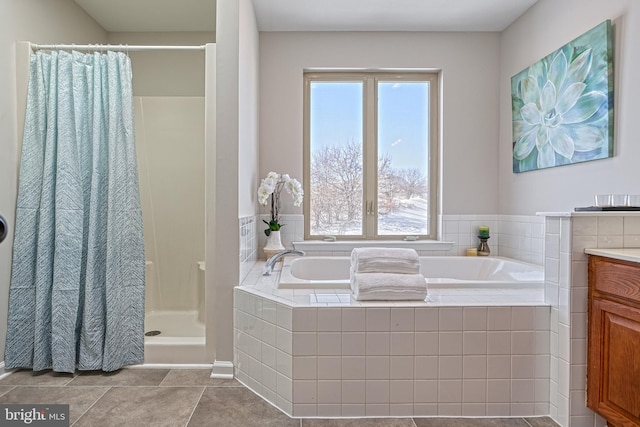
{"x": 268, "y": 266}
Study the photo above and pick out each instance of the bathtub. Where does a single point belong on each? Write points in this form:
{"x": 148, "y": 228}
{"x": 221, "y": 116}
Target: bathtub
{"x": 441, "y": 272}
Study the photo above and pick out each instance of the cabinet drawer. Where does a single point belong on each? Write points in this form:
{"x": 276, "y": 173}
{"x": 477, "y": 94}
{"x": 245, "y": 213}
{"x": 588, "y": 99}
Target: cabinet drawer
{"x": 615, "y": 277}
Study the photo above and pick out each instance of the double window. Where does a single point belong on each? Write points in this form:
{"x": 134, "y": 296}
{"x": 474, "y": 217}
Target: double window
{"x": 370, "y": 155}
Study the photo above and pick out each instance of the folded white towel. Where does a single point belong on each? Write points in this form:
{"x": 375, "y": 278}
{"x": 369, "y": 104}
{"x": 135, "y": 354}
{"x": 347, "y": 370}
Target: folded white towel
{"x": 388, "y": 286}
{"x": 391, "y": 296}
{"x": 385, "y": 260}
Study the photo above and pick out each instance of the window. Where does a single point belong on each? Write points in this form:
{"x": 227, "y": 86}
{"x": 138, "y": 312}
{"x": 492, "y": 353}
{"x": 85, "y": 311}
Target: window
{"x": 370, "y": 155}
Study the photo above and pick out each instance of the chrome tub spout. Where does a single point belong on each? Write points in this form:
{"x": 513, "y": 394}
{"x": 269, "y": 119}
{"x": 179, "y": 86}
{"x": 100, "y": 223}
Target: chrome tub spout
{"x": 268, "y": 266}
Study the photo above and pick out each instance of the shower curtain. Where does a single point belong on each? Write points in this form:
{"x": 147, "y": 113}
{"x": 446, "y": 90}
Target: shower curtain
{"x": 76, "y": 299}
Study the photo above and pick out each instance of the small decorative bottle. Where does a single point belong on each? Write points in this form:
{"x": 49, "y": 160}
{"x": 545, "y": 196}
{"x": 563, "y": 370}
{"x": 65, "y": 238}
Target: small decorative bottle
{"x": 483, "y": 235}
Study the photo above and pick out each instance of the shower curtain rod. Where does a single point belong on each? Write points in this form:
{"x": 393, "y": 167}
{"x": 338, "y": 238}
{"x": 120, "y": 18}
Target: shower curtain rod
{"x": 104, "y": 47}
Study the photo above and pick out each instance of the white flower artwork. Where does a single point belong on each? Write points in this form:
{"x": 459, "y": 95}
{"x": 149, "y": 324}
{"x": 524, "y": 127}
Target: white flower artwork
{"x": 562, "y": 106}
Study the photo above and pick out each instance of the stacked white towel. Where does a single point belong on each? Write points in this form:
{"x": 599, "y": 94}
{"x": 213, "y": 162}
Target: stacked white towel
{"x": 385, "y": 260}
{"x": 386, "y": 274}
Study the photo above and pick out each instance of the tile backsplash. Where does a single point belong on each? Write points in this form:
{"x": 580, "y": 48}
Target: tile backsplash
{"x": 291, "y": 231}
{"x": 513, "y": 236}
{"x": 248, "y": 245}
{"x": 522, "y": 237}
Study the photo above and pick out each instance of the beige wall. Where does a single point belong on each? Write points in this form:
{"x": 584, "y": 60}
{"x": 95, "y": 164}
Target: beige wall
{"x": 38, "y": 21}
{"x": 167, "y": 73}
{"x": 248, "y": 97}
{"x": 548, "y": 25}
{"x": 469, "y": 67}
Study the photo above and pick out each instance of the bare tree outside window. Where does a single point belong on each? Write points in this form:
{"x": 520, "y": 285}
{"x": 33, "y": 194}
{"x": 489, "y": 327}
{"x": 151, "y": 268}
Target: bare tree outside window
{"x": 336, "y": 182}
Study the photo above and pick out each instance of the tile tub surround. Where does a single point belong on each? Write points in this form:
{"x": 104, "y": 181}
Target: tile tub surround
{"x": 315, "y": 354}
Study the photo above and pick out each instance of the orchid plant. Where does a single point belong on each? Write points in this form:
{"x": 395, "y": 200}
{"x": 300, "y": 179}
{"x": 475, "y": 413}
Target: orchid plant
{"x": 270, "y": 189}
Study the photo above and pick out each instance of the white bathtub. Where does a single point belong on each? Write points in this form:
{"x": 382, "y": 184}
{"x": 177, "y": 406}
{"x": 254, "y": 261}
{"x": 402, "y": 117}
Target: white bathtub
{"x": 319, "y": 272}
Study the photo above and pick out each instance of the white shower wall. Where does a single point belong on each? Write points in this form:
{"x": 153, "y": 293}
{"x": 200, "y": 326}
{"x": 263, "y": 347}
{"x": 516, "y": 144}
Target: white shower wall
{"x": 170, "y": 148}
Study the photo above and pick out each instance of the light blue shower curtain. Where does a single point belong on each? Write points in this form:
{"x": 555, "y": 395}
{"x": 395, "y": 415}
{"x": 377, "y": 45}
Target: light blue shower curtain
{"x": 77, "y": 282}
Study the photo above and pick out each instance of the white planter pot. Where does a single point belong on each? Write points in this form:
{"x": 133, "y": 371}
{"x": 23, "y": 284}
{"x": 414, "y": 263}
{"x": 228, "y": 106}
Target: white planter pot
{"x": 274, "y": 244}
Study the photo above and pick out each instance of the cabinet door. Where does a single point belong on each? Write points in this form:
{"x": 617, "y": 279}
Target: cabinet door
{"x": 614, "y": 362}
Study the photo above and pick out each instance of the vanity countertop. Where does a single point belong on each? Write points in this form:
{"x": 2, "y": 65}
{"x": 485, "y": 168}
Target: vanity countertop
{"x": 624, "y": 254}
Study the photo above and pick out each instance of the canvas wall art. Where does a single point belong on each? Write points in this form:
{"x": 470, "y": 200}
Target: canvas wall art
{"x": 562, "y": 106}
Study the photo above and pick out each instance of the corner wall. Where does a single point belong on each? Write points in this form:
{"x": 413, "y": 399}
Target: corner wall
{"x": 226, "y": 249}
{"x": 548, "y": 25}
{"x": 236, "y": 158}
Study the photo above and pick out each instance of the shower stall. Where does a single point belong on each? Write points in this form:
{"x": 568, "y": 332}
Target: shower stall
{"x": 175, "y": 141}
{"x": 170, "y": 147}
{"x": 170, "y": 99}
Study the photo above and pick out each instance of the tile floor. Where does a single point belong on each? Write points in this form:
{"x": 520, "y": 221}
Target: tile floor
{"x": 184, "y": 397}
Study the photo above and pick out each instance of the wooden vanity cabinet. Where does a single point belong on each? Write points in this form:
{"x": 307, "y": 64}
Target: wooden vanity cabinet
{"x": 613, "y": 365}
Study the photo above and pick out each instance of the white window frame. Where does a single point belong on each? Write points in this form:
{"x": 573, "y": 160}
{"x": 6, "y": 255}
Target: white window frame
{"x": 370, "y": 147}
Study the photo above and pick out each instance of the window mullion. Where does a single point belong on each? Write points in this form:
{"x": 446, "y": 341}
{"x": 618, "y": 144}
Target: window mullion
{"x": 370, "y": 155}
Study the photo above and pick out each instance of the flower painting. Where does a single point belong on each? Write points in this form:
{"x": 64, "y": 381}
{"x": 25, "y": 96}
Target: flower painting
{"x": 562, "y": 106}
